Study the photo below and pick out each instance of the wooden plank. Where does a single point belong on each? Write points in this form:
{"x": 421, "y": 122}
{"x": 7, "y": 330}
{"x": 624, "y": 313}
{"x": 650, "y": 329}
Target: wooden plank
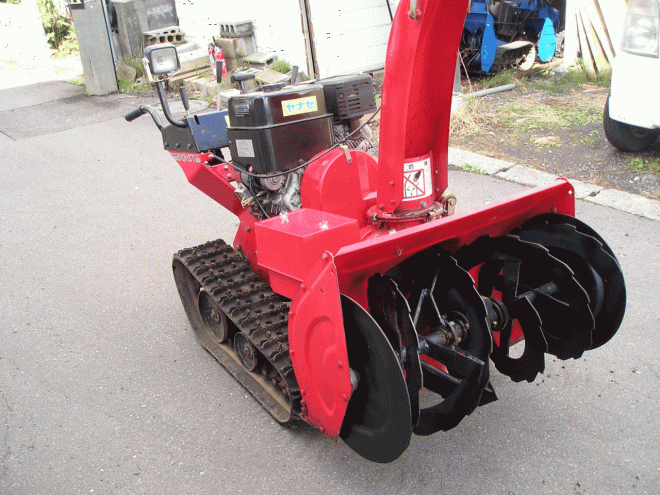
{"x": 584, "y": 47}
{"x": 596, "y": 18}
{"x": 596, "y": 50}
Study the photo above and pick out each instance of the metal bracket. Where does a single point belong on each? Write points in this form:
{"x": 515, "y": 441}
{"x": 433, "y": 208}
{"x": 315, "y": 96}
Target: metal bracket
{"x": 75, "y": 4}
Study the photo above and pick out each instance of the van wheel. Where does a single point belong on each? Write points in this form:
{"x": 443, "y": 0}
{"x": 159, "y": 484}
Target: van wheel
{"x": 624, "y": 136}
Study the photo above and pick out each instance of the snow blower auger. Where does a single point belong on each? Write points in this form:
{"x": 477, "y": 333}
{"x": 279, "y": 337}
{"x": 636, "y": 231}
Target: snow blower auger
{"x": 352, "y": 288}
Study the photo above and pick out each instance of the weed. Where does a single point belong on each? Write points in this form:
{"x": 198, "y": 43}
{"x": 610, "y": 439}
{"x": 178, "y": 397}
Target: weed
{"x": 125, "y": 84}
{"x": 136, "y": 63}
{"x": 590, "y": 141}
{"x": 471, "y": 168}
{"x": 642, "y": 166}
{"x": 500, "y": 79}
{"x": 78, "y": 81}
{"x": 55, "y": 25}
{"x": 281, "y": 66}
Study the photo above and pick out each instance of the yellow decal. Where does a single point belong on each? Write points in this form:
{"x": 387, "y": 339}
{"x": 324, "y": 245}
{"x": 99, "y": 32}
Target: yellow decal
{"x": 300, "y": 105}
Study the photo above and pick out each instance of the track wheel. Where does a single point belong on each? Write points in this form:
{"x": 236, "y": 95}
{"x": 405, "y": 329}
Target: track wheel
{"x": 377, "y": 424}
{"x": 537, "y": 292}
{"x": 213, "y": 317}
{"x": 246, "y": 352}
{"x": 592, "y": 261}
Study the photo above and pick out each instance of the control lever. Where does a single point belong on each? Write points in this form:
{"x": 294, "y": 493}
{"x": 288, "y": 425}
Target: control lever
{"x": 184, "y": 99}
{"x": 241, "y": 78}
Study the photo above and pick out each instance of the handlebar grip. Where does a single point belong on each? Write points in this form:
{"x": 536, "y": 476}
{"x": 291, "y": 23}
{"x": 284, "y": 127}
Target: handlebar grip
{"x": 134, "y": 114}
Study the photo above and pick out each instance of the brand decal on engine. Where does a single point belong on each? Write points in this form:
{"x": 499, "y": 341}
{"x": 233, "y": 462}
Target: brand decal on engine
{"x": 417, "y": 181}
{"x": 186, "y": 157}
{"x": 299, "y": 106}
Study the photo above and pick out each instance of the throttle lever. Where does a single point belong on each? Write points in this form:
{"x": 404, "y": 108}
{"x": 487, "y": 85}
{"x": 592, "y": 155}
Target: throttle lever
{"x": 184, "y": 99}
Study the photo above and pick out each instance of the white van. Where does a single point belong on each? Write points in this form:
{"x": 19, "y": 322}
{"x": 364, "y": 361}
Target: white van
{"x": 632, "y": 113}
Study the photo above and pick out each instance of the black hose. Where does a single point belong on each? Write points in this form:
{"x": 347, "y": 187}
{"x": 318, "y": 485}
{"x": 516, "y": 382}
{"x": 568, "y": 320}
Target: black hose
{"x": 256, "y": 200}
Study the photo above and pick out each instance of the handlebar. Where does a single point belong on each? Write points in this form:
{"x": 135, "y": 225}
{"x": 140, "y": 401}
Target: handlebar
{"x": 141, "y": 110}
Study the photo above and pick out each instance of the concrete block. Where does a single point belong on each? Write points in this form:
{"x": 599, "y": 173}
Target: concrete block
{"x": 235, "y": 29}
{"x": 172, "y": 34}
{"x": 237, "y": 48}
{"x": 195, "y": 59}
{"x": 234, "y": 63}
{"x": 125, "y": 71}
{"x": 270, "y": 76}
{"x": 260, "y": 60}
{"x": 131, "y": 23}
{"x": 161, "y": 13}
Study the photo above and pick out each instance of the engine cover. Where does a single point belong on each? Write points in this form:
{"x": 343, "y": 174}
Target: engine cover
{"x": 272, "y": 131}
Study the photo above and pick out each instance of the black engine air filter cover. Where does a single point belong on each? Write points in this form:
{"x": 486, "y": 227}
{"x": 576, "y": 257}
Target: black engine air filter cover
{"x": 272, "y": 131}
{"x": 350, "y": 96}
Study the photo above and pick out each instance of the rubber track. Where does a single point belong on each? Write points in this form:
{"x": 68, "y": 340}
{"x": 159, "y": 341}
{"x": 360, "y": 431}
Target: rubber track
{"x": 250, "y": 304}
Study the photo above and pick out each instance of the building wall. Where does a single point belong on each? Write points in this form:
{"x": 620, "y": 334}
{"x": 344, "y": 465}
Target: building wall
{"x": 349, "y": 36}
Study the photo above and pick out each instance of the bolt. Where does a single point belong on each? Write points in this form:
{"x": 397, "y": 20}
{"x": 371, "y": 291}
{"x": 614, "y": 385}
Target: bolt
{"x": 393, "y": 201}
{"x": 392, "y": 183}
{"x": 324, "y": 256}
{"x": 382, "y": 207}
{"x": 247, "y": 229}
{"x": 399, "y": 252}
{"x": 345, "y": 397}
{"x": 226, "y": 167}
{"x": 340, "y": 365}
{"x": 229, "y": 176}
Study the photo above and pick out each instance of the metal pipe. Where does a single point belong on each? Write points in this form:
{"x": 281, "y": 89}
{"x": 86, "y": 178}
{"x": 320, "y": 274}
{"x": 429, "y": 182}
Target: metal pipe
{"x": 490, "y": 91}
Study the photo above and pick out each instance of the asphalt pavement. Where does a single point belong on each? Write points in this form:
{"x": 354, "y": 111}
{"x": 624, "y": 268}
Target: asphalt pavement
{"x": 104, "y": 389}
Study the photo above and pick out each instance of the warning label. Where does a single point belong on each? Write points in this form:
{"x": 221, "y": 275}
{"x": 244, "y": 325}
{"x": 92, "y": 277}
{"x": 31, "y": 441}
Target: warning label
{"x": 245, "y": 148}
{"x": 417, "y": 180}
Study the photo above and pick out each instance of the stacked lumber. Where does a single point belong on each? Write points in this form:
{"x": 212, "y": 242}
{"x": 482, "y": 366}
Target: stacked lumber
{"x": 593, "y": 32}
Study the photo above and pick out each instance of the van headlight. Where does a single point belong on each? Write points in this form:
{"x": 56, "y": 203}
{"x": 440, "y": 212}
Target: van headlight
{"x": 640, "y": 34}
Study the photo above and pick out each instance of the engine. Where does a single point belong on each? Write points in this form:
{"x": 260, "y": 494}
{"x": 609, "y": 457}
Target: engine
{"x": 273, "y": 133}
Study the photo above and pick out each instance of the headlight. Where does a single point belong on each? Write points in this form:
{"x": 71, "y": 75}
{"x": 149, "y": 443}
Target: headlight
{"x": 162, "y": 59}
{"x": 640, "y": 34}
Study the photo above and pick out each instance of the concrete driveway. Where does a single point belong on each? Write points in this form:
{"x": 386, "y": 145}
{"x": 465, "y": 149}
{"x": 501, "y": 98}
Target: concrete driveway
{"x": 104, "y": 390}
